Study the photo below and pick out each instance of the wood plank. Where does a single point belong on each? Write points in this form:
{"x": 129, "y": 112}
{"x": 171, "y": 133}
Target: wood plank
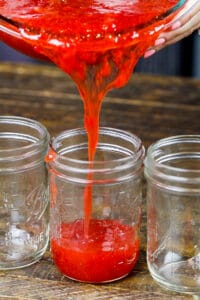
{"x": 152, "y": 107}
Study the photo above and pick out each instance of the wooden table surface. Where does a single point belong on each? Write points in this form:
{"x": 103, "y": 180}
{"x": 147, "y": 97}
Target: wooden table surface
{"x": 152, "y": 107}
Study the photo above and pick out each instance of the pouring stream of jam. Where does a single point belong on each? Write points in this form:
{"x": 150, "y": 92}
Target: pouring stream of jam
{"x": 97, "y": 43}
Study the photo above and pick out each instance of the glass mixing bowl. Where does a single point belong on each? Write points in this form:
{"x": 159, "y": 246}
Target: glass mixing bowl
{"x": 10, "y": 33}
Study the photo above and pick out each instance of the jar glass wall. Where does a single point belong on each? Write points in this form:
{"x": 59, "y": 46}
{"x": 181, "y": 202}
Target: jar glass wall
{"x": 172, "y": 169}
{"x": 95, "y": 206}
{"x": 24, "y": 220}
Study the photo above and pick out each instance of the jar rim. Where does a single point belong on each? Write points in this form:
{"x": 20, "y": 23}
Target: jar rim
{"x": 160, "y": 165}
{"x": 16, "y": 120}
{"x": 154, "y": 149}
{"x": 131, "y": 163}
{"x": 26, "y": 142}
{"x": 68, "y": 133}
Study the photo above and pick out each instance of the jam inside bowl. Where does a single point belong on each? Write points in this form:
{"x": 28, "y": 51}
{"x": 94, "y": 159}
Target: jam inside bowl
{"x": 85, "y": 24}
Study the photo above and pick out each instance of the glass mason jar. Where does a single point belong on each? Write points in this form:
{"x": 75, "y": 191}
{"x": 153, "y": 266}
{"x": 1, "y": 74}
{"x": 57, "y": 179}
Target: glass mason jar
{"x": 24, "y": 221}
{"x": 172, "y": 169}
{"x": 95, "y": 206}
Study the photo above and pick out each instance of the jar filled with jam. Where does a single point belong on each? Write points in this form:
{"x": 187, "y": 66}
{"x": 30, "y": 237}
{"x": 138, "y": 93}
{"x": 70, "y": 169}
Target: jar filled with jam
{"x": 95, "y": 209}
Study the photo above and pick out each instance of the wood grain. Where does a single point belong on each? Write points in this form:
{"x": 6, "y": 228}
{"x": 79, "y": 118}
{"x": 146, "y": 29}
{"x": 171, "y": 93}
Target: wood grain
{"x": 152, "y": 107}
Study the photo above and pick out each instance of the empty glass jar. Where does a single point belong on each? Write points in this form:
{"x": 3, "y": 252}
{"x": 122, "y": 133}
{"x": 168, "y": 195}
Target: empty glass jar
{"x": 172, "y": 169}
{"x": 24, "y": 220}
{"x": 95, "y": 206}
